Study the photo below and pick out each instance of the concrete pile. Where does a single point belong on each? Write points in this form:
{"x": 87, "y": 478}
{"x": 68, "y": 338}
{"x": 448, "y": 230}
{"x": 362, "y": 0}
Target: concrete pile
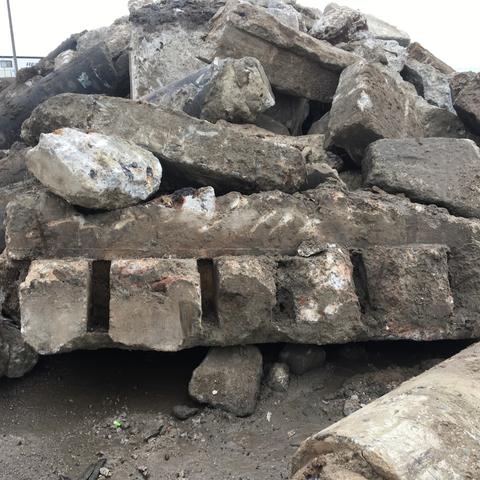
{"x": 275, "y": 174}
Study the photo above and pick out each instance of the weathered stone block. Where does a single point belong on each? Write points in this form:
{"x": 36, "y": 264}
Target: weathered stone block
{"x": 373, "y": 102}
{"x": 408, "y": 291}
{"x": 430, "y": 83}
{"x": 54, "y": 303}
{"x": 246, "y": 297}
{"x": 316, "y": 298}
{"x": 193, "y": 152}
{"x": 229, "y": 378}
{"x": 339, "y": 24}
{"x": 92, "y": 170}
{"x": 443, "y": 171}
{"x": 295, "y": 63}
{"x": 155, "y": 303}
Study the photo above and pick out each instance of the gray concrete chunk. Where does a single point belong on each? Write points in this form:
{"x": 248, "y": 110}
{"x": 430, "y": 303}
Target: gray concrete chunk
{"x": 229, "y": 378}
{"x": 443, "y": 171}
{"x": 228, "y": 89}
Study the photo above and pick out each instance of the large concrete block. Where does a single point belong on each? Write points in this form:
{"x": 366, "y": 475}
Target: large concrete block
{"x": 54, "y": 303}
{"x": 44, "y": 226}
{"x": 295, "y": 63}
{"x": 408, "y": 291}
{"x": 155, "y": 303}
{"x": 443, "y": 171}
{"x": 193, "y": 152}
{"x": 316, "y": 298}
{"x": 373, "y": 102}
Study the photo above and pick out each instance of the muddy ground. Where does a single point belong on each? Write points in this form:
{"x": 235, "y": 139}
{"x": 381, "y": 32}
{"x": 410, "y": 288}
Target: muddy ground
{"x": 60, "y": 418}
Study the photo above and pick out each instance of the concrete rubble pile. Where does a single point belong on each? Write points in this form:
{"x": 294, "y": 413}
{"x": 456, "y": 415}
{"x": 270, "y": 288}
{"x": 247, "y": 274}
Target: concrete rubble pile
{"x": 225, "y": 174}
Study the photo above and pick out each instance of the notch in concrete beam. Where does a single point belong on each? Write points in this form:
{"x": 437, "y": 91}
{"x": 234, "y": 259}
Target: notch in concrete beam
{"x": 99, "y": 306}
{"x": 208, "y": 287}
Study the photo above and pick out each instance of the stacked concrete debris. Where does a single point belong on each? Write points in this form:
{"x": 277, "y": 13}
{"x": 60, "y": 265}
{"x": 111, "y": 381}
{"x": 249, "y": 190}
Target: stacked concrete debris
{"x": 240, "y": 196}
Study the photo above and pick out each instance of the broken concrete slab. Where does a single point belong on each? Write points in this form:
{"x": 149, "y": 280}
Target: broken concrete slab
{"x": 467, "y": 102}
{"x": 407, "y": 289}
{"x": 95, "y": 171}
{"x": 384, "y": 31}
{"x": 295, "y": 63}
{"x": 430, "y": 83}
{"x": 427, "y": 427}
{"x": 193, "y": 152}
{"x": 386, "y": 52}
{"x": 167, "y": 42}
{"x": 443, "y": 171}
{"x": 339, "y": 24}
{"x": 420, "y": 53}
{"x": 54, "y": 303}
{"x": 229, "y": 378}
{"x": 373, "y": 102}
{"x": 228, "y": 89}
{"x": 155, "y": 303}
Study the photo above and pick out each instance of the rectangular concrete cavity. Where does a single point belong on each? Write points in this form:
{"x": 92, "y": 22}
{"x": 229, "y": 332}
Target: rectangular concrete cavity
{"x": 99, "y": 308}
{"x": 208, "y": 288}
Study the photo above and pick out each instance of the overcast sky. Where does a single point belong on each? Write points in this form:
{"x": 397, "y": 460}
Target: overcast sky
{"x": 448, "y": 28}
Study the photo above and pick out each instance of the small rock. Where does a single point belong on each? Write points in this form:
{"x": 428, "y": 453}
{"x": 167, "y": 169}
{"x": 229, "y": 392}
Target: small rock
{"x": 183, "y": 412}
{"x": 351, "y": 405}
{"x": 92, "y": 170}
{"x": 234, "y": 374}
{"x": 144, "y": 471}
{"x": 279, "y": 377}
{"x": 302, "y": 358}
{"x": 339, "y": 24}
{"x": 105, "y": 472}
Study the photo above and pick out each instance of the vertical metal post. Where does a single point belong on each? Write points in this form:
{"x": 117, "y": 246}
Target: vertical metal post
{"x": 12, "y": 37}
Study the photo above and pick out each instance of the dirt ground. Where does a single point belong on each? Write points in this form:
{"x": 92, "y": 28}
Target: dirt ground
{"x": 60, "y": 418}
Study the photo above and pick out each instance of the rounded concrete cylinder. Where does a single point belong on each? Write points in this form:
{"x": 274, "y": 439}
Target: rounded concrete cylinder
{"x": 427, "y": 429}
